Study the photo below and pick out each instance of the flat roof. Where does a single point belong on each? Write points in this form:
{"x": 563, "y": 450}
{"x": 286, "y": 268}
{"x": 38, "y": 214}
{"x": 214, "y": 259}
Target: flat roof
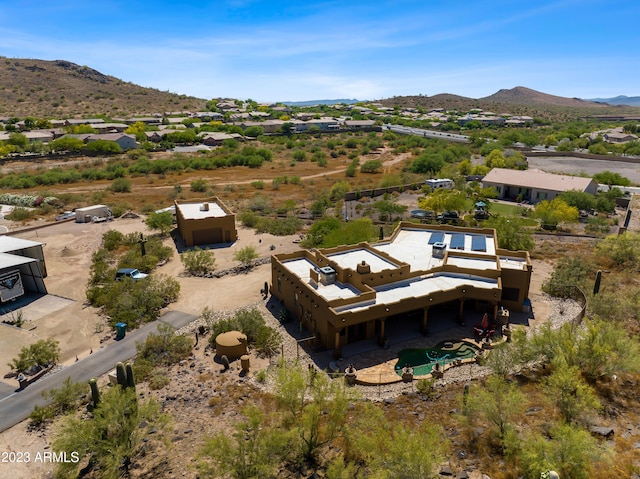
{"x": 420, "y": 287}
{"x": 301, "y": 268}
{"x": 11, "y": 243}
{"x": 196, "y": 211}
{"x": 352, "y": 258}
{"x": 512, "y": 263}
{"x": 12, "y": 260}
{"x": 413, "y": 246}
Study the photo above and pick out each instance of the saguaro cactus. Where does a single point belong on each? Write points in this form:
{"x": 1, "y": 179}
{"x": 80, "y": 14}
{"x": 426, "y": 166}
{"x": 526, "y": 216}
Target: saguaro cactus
{"x": 95, "y": 392}
{"x": 121, "y": 374}
{"x": 131, "y": 383}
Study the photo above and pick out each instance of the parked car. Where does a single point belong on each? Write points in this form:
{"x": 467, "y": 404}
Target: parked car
{"x": 448, "y": 217}
{"x": 66, "y": 215}
{"x": 132, "y": 273}
{"x": 423, "y": 214}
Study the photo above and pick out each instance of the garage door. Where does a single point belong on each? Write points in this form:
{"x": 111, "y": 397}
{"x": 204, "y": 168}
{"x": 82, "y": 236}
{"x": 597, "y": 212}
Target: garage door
{"x": 208, "y": 236}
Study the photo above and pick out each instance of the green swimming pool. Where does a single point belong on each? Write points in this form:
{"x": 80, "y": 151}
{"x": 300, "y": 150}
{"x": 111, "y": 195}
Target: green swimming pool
{"x": 422, "y": 360}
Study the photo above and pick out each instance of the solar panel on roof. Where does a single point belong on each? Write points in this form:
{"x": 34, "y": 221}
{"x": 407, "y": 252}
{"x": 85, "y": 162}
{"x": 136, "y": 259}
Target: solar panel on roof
{"x": 478, "y": 243}
{"x": 436, "y": 237}
{"x": 457, "y": 241}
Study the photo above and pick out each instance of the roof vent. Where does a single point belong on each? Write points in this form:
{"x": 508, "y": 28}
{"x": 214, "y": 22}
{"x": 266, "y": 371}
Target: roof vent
{"x": 327, "y": 275}
{"x": 438, "y": 250}
{"x": 205, "y": 206}
{"x": 363, "y": 268}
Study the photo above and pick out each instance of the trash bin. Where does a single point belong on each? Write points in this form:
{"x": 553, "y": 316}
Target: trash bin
{"x": 121, "y": 330}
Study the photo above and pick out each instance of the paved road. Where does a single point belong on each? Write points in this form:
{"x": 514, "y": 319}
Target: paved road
{"x": 17, "y": 406}
{"x": 407, "y": 130}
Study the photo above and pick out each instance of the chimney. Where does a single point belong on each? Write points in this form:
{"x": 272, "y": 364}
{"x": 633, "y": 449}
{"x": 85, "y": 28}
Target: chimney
{"x": 205, "y": 206}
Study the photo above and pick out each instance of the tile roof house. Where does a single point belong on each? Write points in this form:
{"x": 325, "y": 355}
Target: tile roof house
{"x": 534, "y": 185}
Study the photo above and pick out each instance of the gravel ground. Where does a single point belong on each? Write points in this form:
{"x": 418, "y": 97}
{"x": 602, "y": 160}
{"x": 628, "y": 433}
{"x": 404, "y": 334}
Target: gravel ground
{"x": 561, "y": 312}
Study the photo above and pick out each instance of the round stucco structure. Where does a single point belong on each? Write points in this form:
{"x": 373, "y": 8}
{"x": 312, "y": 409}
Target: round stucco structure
{"x": 231, "y": 344}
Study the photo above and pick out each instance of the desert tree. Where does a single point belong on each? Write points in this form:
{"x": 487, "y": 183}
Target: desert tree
{"x": 113, "y": 438}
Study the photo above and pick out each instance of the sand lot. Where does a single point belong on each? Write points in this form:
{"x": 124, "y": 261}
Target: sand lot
{"x": 64, "y": 314}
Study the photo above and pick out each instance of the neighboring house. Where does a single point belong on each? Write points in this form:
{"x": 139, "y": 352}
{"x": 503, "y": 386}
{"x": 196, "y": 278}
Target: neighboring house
{"x": 534, "y": 185}
{"x": 125, "y": 140}
{"x": 109, "y": 127}
{"x": 359, "y": 124}
{"x": 323, "y": 124}
{"x": 365, "y": 291}
{"x": 154, "y": 136}
{"x": 619, "y": 137}
{"x": 215, "y": 138}
{"x": 205, "y": 222}
{"x": 80, "y": 121}
{"x": 22, "y": 267}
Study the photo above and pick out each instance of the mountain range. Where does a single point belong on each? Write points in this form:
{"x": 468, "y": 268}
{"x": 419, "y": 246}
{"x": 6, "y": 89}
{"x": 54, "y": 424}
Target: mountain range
{"x": 619, "y": 100}
{"x": 60, "y": 89}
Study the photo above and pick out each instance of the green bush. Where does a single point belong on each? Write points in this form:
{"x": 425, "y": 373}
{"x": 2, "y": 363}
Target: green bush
{"x": 198, "y": 261}
{"x": 199, "y": 186}
{"x": 121, "y": 185}
{"x": 265, "y": 339}
{"x": 163, "y": 348}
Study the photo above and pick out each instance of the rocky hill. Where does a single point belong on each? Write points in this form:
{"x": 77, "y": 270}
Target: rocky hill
{"x": 60, "y": 89}
{"x": 516, "y": 101}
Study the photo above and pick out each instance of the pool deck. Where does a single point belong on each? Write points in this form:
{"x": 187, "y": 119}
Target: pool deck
{"x": 376, "y": 365}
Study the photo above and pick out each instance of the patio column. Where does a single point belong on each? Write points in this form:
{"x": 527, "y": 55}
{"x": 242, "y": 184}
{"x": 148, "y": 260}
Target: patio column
{"x": 337, "y": 351}
{"x": 425, "y": 321}
{"x": 461, "y": 312}
{"x": 495, "y": 311}
{"x": 381, "y": 336}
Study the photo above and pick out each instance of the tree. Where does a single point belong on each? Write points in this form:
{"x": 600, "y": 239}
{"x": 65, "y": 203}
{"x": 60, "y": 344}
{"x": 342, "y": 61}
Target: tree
{"x": 103, "y": 147}
{"x": 511, "y": 233}
{"x": 565, "y": 388}
{"x": 316, "y": 407}
{"x": 391, "y": 449}
{"x": 580, "y": 199}
{"x": 497, "y": 402}
{"x": 116, "y": 435}
{"x": 199, "y": 186}
{"x": 555, "y": 211}
{"x": 66, "y": 143}
{"x": 252, "y": 450}
{"x": 254, "y": 131}
{"x": 121, "y": 185}
{"x": 41, "y": 353}
{"x": 610, "y": 178}
{"x": 371, "y": 166}
{"x": 198, "y": 261}
{"x": 444, "y": 200}
{"x": 162, "y": 221}
{"x": 246, "y": 255}
{"x": 18, "y": 140}
{"x": 570, "y": 451}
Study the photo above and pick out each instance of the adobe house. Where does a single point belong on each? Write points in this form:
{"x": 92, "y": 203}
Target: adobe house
{"x": 348, "y": 293}
{"x": 205, "y": 222}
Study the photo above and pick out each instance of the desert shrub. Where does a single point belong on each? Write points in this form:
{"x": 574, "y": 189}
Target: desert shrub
{"x": 121, "y": 185}
{"x": 198, "y": 261}
{"x": 279, "y": 226}
{"x": 371, "y": 166}
{"x": 163, "y": 348}
{"x": 249, "y": 218}
{"x": 22, "y": 214}
{"x": 199, "y": 186}
{"x": 158, "y": 379}
{"x": 570, "y": 272}
{"x": 41, "y": 353}
{"x": 265, "y": 339}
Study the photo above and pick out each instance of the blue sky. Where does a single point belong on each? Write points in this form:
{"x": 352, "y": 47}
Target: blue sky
{"x": 304, "y": 50}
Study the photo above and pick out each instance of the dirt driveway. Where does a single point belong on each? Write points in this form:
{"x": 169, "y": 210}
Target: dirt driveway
{"x": 64, "y": 314}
